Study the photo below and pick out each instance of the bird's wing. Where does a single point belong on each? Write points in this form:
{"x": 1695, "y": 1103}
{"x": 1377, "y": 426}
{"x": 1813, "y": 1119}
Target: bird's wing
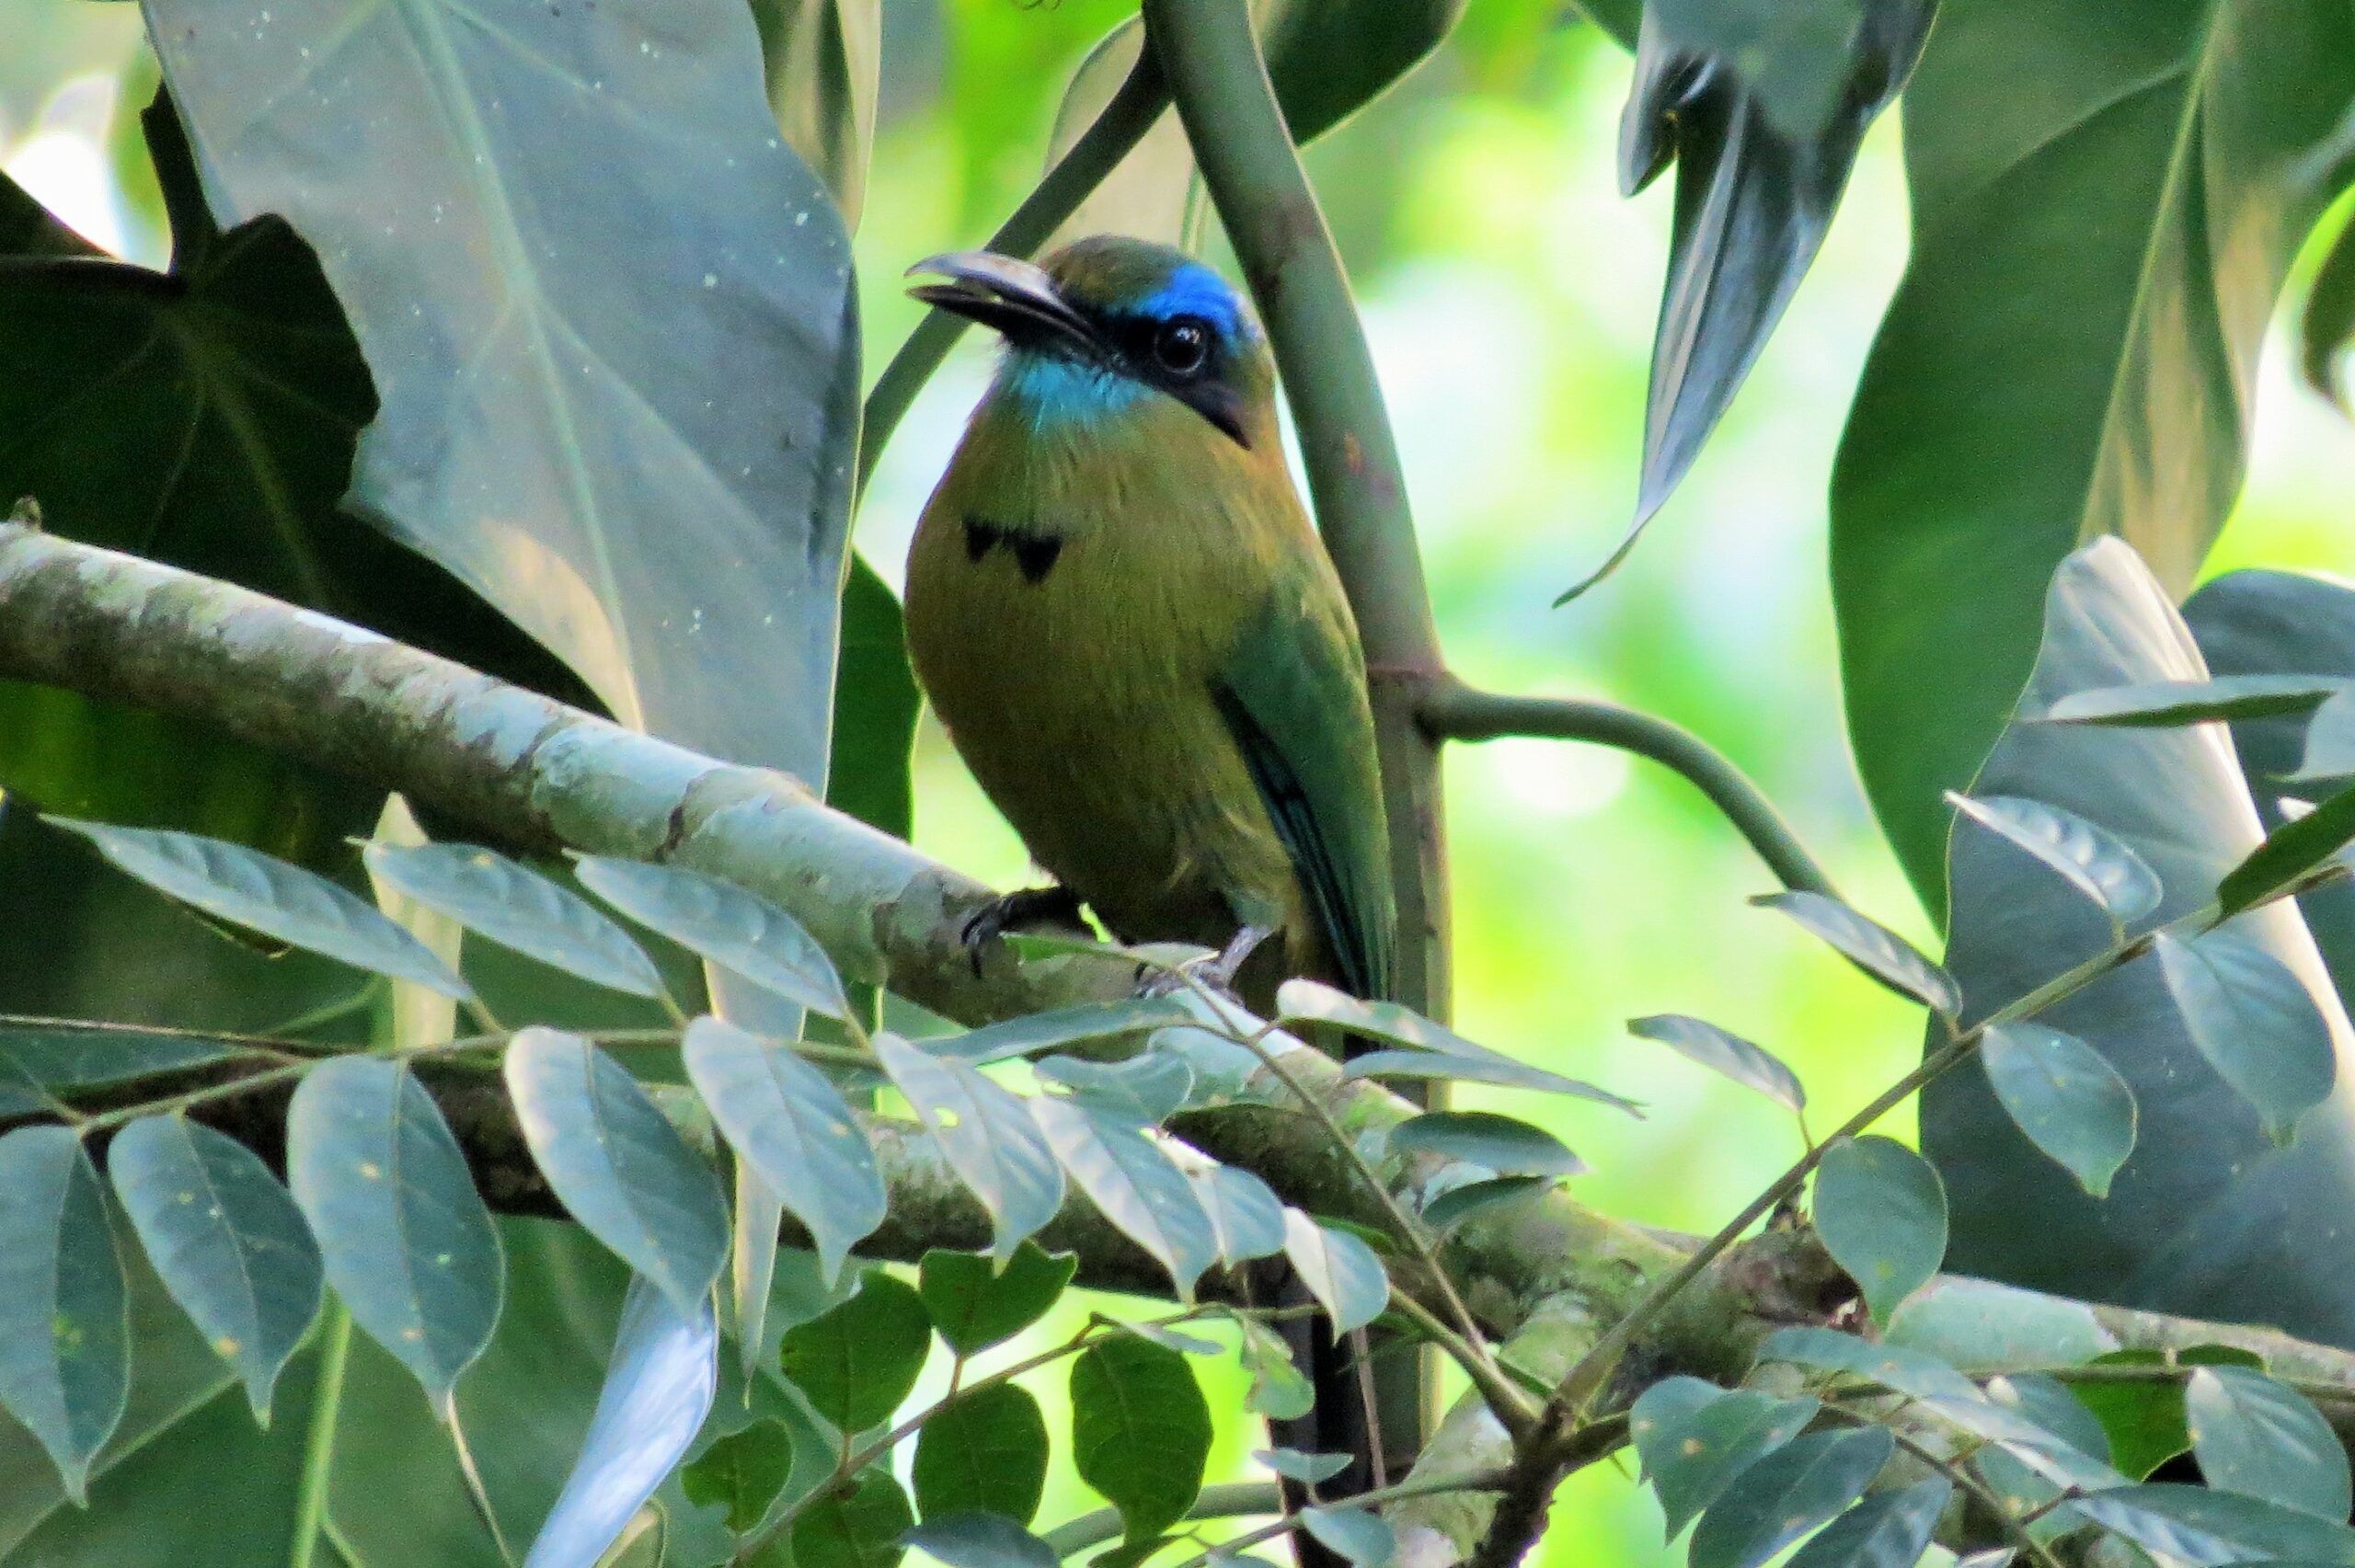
{"x": 1294, "y": 696}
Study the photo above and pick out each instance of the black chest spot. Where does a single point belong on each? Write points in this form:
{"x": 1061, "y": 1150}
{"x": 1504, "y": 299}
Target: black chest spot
{"x": 1034, "y": 554}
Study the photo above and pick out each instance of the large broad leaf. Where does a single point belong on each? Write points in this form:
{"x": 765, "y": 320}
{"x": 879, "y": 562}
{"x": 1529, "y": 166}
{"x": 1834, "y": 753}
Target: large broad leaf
{"x": 633, "y": 437}
{"x": 2145, "y": 175}
{"x": 1882, "y": 1216}
{"x": 985, "y": 1452}
{"x": 858, "y": 1361}
{"x": 824, "y": 63}
{"x": 2207, "y": 1218}
{"x": 1140, "y": 1431}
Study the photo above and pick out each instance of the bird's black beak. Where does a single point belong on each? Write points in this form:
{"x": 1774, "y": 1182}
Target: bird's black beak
{"x": 1011, "y": 297}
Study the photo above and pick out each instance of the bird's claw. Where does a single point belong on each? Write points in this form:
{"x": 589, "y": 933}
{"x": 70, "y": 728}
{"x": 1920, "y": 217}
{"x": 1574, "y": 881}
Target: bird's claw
{"x": 1011, "y": 911}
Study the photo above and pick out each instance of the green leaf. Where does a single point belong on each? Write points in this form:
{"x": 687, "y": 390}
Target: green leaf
{"x": 1979, "y": 1324}
{"x": 408, "y": 1243}
{"x": 1504, "y": 1144}
{"x": 1310, "y": 1470}
{"x": 2263, "y": 1439}
{"x": 980, "y": 1541}
{"x": 1695, "y": 1439}
{"x": 1357, "y": 1536}
{"x": 875, "y": 704}
{"x": 68, "y": 1055}
{"x": 987, "y": 1452}
{"x": 1339, "y": 1270}
{"x": 1140, "y": 1431}
{"x": 2070, "y": 1103}
{"x": 1888, "y": 1529}
{"x": 1279, "y": 1389}
{"x": 987, "y": 1135}
{"x": 857, "y": 1362}
{"x": 2250, "y": 1017}
{"x": 975, "y": 1304}
{"x": 787, "y": 1121}
{"x": 2169, "y": 705}
{"x": 2088, "y": 856}
{"x": 2330, "y": 740}
{"x": 823, "y": 60}
{"x": 1133, "y": 1183}
{"x": 2209, "y": 1528}
{"x": 2143, "y": 1419}
{"x": 1245, "y": 1214}
{"x": 1456, "y": 1204}
{"x": 2148, "y": 178}
{"x": 1882, "y": 1214}
{"x": 1787, "y": 1494}
{"x": 2326, "y": 324}
{"x": 64, "y": 1328}
{"x": 1913, "y": 1373}
{"x": 1752, "y": 1066}
{"x": 858, "y": 1525}
{"x": 547, "y": 431}
{"x": 744, "y": 1471}
{"x": 1503, "y": 1072}
{"x": 2288, "y": 854}
{"x": 225, "y": 1239}
{"x": 617, "y": 1162}
{"x": 246, "y": 887}
{"x": 1871, "y": 947}
{"x": 658, "y": 1387}
{"x": 739, "y": 930}
{"x": 1061, "y": 1026}
{"x": 1145, "y": 1090}
{"x": 1313, "y": 1002}
{"x": 517, "y": 908}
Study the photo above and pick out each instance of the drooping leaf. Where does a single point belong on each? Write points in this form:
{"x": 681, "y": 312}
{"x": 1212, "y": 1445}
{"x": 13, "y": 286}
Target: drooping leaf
{"x": 1143, "y": 1090}
{"x": 986, "y": 1134}
{"x": 2088, "y": 857}
{"x": 2264, "y": 1439}
{"x": 64, "y": 1335}
{"x": 980, "y": 1541}
{"x": 1888, "y": 1529}
{"x": 2148, "y": 178}
{"x": 1882, "y": 1214}
{"x": 1245, "y": 1214}
{"x": 1340, "y": 1271}
{"x": 1504, "y": 1144}
{"x": 1871, "y": 947}
{"x": 1061, "y": 1026}
{"x": 2289, "y": 852}
{"x": 59, "y": 1056}
{"x": 1140, "y": 1431}
{"x": 224, "y": 1238}
{"x": 1695, "y": 1437}
{"x": 621, "y": 1168}
{"x": 517, "y": 908}
{"x": 1313, "y": 1002}
{"x": 1357, "y": 1536}
{"x": 1749, "y": 1065}
{"x": 1500, "y": 1070}
{"x": 987, "y": 1453}
{"x": 2209, "y": 1528}
{"x": 739, "y": 930}
{"x": 787, "y": 1121}
{"x": 1787, "y": 1493}
{"x": 233, "y": 883}
{"x": 2169, "y": 705}
{"x": 742, "y": 1471}
{"x": 2071, "y": 1104}
{"x": 551, "y": 428}
{"x": 406, "y": 1240}
{"x": 975, "y": 1305}
{"x": 658, "y": 1387}
{"x": 2249, "y": 1016}
{"x": 858, "y": 1525}
{"x": 858, "y": 1361}
{"x": 1133, "y": 1183}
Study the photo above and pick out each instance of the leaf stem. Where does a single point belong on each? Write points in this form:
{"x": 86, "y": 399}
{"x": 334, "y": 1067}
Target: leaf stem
{"x": 319, "y": 1441}
{"x": 1476, "y": 1481}
{"x": 1227, "y": 1500}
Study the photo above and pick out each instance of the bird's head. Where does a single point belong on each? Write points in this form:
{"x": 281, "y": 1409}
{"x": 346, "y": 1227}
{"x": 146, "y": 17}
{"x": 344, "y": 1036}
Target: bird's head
{"x": 1108, "y": 321}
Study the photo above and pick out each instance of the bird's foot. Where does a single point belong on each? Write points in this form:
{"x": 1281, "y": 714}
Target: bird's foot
{"x": 1217, "y": 971}
{"x": 1029, "y": 906}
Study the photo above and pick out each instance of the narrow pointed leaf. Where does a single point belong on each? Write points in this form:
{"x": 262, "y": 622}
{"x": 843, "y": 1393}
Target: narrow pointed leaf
{"x": 1309, "y": 1469}
{"x": 2263, "y": 1439}
{"x": 856, "y": 1362}
{"x": 2068, "y": 1101}
{"x": 1504, "y": 1144}
{"x": 2209, "y": 1529}
{"x": 246, "y": 887}
{"x": 753, "y": 1225}
{"x": 1695, "y": 1439}
{"x": 658, "y": 1387}
{"x": 1245, "y": 1214}
{"x": 1872, "y": 947}
{"x": 1503, "y": 1072}
{"x": 980, "y": 1541}
{"x": 406, "y": 1240}
{"x": 2167, "y": 704}
{"x": 1888, "y": 1529}
{"x": 1339, "y": 1270}
{"x": 1787, "y": 1494}
{"x": 1749, "y": 1065}
{"x": 517, "y": 908}
{"x": 737, "y": 930}
{"x": 1145, "y": 1090}
{"x": 1140, "y": 1431}
{"x": 620, "y": 1167}
{"x": 1456, "y": 1204}
{"x": 2288, "y": 854}
{"x": 860, "y": 1527}
{"x": 787, "y": 1120}
{"x": 65, "y": 1324}
{"x": 1133, "y": 1183}
{"x": 1063, "y": 1026}
{"x": 987, "y": 1135}
{"x": 225, "y": 1239}
{"x": 2250, "y": 1016}
{"x": 1882, "y": 1214}
{"x": 985, "y": 1453}
{"x": 2089, "y": 857}
{"x": 1902, "y": 1370}
{"x": 975, "y": 1305}
{"x": 1313, "y": 1002}
{"x": 1357, "y": 1536}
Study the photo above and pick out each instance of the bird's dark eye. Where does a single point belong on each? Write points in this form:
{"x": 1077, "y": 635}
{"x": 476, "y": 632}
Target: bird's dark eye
{"x": 1182, "y": 344}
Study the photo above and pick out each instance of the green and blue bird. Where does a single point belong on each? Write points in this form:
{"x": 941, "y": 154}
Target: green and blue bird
{"x": 1123, "y": 617}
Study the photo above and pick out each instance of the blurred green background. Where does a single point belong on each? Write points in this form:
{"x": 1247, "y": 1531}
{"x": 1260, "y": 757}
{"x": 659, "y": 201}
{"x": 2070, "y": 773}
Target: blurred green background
{"x": 1509, "y": 296}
